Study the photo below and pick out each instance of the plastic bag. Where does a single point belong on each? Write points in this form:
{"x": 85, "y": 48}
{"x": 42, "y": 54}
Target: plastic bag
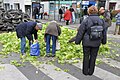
{"x": 35, "y": 49}
{"x": 57, "y": 45}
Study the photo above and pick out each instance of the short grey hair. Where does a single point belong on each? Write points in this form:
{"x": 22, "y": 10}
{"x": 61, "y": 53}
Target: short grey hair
{"x": 39, "y": 25}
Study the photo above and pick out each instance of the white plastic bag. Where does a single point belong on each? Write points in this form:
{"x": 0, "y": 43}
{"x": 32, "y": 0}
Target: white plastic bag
{"x": 57, "y": 45}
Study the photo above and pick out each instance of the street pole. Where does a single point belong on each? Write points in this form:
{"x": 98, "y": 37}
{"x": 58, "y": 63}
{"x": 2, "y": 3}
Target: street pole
{"x": 77, "y": 14}
{"x": 80, "y": 10}
{"x": 31, "y": 10}
{"x": 54, "y": 8}
{"x": 107, "y": 5}
{"x": 97, "y": 2}
{"x": 58, "y": 9}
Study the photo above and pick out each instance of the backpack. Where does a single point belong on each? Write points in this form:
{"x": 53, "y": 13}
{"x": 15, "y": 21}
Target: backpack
{"x": 95, "y": 31}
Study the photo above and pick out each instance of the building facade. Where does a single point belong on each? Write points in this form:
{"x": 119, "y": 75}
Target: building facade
{"x": 1, "y": 3}
{"x": 114, "y": 4}
{"x": 52, "y": 6}
{"x": 16, "y": 4}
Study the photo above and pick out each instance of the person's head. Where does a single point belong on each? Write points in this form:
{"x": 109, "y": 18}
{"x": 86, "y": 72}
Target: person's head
{"x": 119, "y": 10}
{"x": 38, "y": 26}
{"x": 85, "y": 7}
{"x": 40, "y": 6}
{"x": 92, "y": 10}
{"x": 66, "y": 7}
{"x": 101, "y": 10}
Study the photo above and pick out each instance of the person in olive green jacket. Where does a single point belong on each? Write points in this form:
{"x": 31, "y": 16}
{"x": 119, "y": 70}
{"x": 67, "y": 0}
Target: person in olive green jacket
{"x": 52, "y": 31}
{"x": 105, "y": 14}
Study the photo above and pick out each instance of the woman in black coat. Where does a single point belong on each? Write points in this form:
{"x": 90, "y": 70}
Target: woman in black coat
{"x": 90, "y": 47}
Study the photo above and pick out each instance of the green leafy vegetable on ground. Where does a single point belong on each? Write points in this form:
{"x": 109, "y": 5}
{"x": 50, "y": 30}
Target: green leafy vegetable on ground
{"x": 68, "y": 51}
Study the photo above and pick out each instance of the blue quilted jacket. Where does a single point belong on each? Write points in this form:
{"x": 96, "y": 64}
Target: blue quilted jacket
{"x": 118, "y": 18}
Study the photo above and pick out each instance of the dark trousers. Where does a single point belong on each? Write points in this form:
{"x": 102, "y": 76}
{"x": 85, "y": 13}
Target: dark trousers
{"x": 67, "y": 22}
{"x": 41, "y": 15}
{"x": 90, "y": 54}
{"x": 35, "y": 17}
{"x": 60, "y": 16}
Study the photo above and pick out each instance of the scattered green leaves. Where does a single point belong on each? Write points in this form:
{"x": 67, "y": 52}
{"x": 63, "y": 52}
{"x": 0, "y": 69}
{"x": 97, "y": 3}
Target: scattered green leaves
{"x": 16, "y": 63}
{"x": 68, "y": 51}
{"x": 66, "y": 70}
{"x": 2, "y": 68}
{"x": 98, "y": 61}
{"x": 57, "y": 69}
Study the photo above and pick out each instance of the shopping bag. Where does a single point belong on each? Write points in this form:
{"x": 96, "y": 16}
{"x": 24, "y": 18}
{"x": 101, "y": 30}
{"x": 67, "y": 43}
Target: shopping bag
{"x": 35, "y": 49}
{"x": 57, "y": 45}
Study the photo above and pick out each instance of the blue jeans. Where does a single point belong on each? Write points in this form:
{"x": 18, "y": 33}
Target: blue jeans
{"x": 48, "y": 38}
{"x": 23, "y": 44}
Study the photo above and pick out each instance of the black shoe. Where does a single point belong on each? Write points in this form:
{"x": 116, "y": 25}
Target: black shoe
{"x": 53, "y": 55}
{"x": 90, "y": 74}
{"x": 85, "y": 74}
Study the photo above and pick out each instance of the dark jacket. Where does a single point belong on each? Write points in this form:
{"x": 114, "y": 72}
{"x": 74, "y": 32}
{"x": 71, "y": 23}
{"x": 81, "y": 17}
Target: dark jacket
{"x": 60, "y": 11}
{"x": 83, "y": 36}
{"x": 53, "y": 29}
{"x": 26, "y": 29}
{"x": 107, "y": 18}
{"x": 71, "y": 9}
{"x": 36, "y": 11}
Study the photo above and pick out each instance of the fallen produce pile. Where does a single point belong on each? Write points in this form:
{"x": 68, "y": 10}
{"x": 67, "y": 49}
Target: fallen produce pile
{"x": 68, "y": 51}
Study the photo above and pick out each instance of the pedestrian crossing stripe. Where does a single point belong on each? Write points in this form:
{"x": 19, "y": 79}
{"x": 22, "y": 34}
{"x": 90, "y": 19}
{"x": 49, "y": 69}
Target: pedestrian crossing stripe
{"x": 111, "y": 62}
{"x": 50, "y": 71}
{"x": 10, "y": 72}
{"x": 100, "y": 73}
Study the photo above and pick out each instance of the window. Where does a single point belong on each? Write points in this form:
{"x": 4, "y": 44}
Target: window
{"x": 7, "y": 6}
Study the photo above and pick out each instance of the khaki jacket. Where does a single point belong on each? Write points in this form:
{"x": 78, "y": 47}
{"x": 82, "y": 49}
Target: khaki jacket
{"x": 53, "y": 29}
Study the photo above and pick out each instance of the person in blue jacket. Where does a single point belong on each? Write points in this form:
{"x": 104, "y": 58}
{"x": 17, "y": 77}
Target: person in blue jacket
{"x": 27, "y": 29}
{"x": 117, "y": 28}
